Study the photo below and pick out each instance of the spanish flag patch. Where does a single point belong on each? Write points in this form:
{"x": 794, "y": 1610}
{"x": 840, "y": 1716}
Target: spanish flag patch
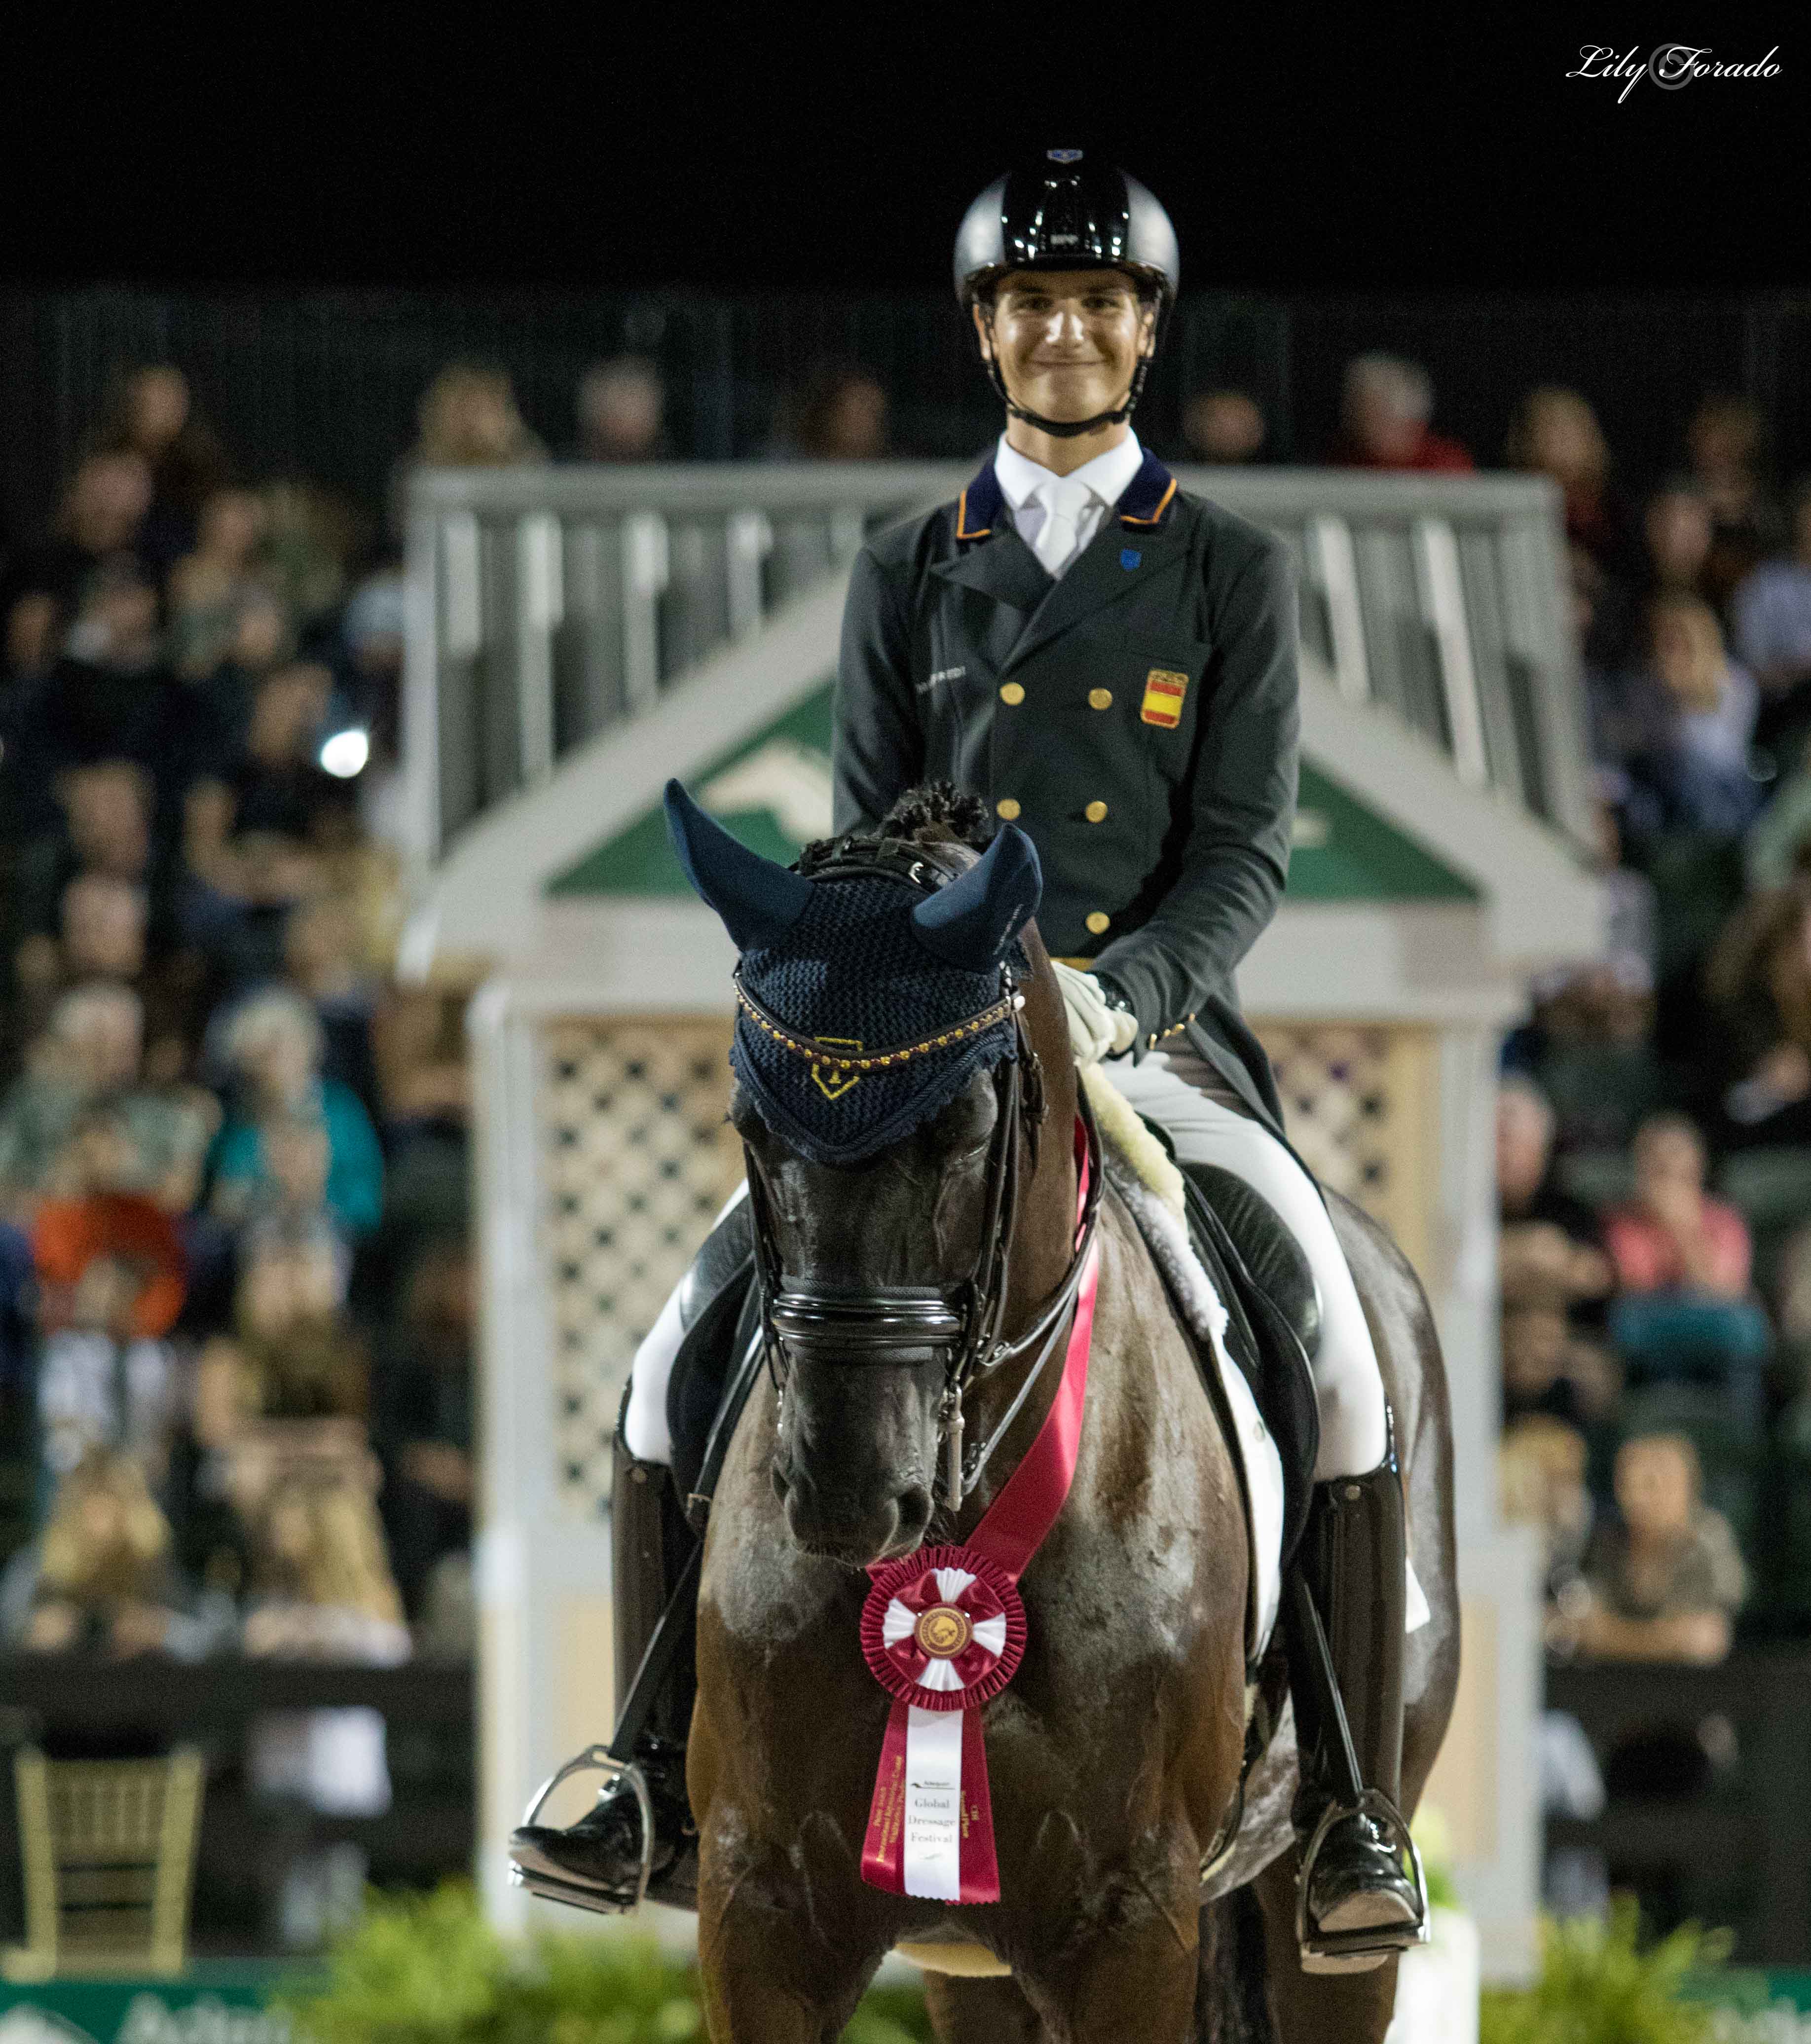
{"x": 1163, "y": 692}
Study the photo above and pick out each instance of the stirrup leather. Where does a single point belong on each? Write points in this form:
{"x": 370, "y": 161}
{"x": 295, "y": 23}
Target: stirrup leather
{"x": 605, "y": 1901}
{"x": 1341, "y": 1951}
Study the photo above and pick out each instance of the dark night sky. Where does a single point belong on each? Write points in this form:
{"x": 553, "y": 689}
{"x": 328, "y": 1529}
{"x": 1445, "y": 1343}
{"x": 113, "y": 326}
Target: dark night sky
{"x": 1292, "y": 160}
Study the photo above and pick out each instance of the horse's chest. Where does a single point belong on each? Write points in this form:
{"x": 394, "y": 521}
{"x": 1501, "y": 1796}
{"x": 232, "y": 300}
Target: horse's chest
{"x": 767, "y": 1595}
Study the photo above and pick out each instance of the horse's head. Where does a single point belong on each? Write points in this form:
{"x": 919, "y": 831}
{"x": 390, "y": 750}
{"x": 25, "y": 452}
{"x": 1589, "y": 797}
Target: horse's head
{"x": 888, "y": 1092}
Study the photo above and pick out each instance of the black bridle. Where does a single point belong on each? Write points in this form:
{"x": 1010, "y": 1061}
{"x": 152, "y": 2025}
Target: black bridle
{"x": 959, "y": 1327}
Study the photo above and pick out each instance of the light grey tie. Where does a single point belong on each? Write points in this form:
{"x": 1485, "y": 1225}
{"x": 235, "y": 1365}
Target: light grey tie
{"x": 1064, "y": 500}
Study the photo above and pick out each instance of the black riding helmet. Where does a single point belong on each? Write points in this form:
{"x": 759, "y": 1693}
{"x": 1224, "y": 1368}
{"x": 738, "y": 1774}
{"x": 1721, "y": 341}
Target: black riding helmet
{"x": 1060, "y": 211}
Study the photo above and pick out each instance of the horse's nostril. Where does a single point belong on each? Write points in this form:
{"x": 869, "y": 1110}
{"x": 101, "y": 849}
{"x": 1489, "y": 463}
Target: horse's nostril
{"x": 914, "y": 1509}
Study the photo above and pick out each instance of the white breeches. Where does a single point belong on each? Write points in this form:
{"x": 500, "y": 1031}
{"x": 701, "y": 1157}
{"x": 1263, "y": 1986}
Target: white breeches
{"x": 644, "y": 1429}
{"x": 1348, "y": 1387}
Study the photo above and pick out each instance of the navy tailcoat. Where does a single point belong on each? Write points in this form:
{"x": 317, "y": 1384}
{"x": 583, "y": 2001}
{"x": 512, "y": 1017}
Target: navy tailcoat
{"x": 1138, "y": 717}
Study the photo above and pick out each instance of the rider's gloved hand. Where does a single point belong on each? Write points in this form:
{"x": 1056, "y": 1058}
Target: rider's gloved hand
{"x": 1096, "y": 1029}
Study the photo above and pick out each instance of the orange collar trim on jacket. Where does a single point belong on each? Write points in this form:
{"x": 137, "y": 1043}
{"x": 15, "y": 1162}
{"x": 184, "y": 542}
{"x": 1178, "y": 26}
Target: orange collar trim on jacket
{"x": 977, "y": 508}
{"x": 1147, "y": 501}
{"x": 1147, "y": 498}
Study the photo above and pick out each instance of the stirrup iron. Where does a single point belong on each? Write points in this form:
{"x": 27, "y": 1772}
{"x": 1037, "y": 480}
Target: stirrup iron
{"x": 605, "y": 1902}
{"x": 1358, "y": 1951}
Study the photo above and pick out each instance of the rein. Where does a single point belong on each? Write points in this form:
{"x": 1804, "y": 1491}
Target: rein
{"x": 957, "y": 1328}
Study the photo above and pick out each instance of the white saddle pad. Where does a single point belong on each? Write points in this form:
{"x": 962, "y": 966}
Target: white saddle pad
{"x": 1166, "y": 1238}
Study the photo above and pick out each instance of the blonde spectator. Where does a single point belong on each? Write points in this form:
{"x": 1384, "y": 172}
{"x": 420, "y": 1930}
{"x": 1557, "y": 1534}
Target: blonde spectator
{"x": 467, "y": 418}
{"x": 100, "y": 1575}
{"x": 323, "y": 1589}
{"x": 1555, "y": 433}
{"x": 1541, "y": 1474}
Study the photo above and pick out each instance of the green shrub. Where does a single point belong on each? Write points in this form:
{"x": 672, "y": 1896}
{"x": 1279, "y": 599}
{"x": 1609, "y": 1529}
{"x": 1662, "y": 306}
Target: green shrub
{"x": 429, "y": 1969}
{"x": 1598, "y": 1986}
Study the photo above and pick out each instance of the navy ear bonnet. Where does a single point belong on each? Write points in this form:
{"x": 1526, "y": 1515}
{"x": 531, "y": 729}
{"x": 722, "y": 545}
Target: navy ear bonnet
{"x": 862, "y": 964}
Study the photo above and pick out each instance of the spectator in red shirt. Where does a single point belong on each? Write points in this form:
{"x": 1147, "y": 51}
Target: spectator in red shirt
{"x": 1384, "y": 415}
{"x": 1683, "y": 1261}
{"x": 1674, "y": 1235}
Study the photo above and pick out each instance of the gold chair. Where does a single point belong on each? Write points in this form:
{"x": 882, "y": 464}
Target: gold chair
{"x": 109, "y": 1856}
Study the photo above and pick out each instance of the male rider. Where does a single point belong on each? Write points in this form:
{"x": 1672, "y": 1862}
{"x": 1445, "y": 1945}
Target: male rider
{"x": 1111, "y": 663}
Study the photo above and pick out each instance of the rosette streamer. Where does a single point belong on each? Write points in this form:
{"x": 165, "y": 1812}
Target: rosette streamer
{"x": 942, "y": 1630}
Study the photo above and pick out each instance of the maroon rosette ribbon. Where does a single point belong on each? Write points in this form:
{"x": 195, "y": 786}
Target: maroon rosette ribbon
{"x": 943, "y": 1629}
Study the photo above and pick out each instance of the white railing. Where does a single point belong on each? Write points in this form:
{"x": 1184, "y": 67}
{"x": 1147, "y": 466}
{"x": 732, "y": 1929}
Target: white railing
{"x": 547, "y": 605}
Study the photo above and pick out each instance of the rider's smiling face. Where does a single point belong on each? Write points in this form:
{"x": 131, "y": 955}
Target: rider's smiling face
{"x": 1068, "y": 341}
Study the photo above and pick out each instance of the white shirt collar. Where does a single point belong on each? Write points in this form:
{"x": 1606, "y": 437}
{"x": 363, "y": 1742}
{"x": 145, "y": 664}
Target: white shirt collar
{"x": 1108, "y": 475}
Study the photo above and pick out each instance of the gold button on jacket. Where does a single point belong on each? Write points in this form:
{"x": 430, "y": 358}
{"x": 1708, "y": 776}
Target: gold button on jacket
{"x": 1006, "y": 807}
{"x": 1100, "y": 698}
{"x": 1096, "y": 813}
{"x": 1097, "y": 920}
{"x": 1012, "y": 691}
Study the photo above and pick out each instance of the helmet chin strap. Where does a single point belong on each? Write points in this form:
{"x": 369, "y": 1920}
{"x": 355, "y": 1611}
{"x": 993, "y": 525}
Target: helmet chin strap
{"x": 1069, "y": 429}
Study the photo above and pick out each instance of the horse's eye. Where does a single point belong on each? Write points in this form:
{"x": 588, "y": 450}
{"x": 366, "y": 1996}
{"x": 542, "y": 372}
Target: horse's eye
{"x": 965, "y": 1124}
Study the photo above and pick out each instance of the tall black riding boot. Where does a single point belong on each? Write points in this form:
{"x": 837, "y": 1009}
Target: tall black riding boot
{"x": 1361, "y": 1896}
{"x": 639, "y": 1837}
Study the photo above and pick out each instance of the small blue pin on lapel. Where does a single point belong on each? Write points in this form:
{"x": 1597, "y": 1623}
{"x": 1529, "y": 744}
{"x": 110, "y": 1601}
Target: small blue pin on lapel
{"x": 1129, "y": 557}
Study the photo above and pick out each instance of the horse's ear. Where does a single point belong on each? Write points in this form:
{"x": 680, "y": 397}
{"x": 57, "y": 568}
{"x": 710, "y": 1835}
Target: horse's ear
{"x": 758, "y": 901}
{"x": 972, "y": 922}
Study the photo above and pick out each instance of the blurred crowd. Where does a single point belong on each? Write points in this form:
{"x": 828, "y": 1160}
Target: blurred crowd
{"x": 1653, "y": 1121}
{"x": 236, "y": 1291}
{"x": 235, "y": 1284}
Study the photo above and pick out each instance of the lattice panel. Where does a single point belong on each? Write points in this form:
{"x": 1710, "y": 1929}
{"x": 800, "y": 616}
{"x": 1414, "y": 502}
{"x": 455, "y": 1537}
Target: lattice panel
{"x": 1357, "y": 1106}
{"x": 638, "y": 1159}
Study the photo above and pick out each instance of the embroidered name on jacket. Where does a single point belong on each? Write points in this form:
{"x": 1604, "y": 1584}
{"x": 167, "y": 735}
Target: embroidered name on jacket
{"x": 1163, "y": 692}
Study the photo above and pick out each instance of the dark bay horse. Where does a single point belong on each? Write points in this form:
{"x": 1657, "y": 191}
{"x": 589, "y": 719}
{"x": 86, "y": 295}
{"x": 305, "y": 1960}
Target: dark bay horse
{"x": 1115, "y": 1752}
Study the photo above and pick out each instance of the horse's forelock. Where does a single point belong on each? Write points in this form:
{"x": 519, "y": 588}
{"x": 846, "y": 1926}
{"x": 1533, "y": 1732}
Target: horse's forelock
{"x": 939, "y": 813}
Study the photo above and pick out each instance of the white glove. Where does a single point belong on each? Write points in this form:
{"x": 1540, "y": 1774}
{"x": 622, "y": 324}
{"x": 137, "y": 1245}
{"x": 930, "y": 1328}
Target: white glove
{"x": 1096, "y": 1031}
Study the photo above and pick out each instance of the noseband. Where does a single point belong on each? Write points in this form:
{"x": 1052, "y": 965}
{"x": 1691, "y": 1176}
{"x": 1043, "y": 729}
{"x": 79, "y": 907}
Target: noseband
{"x": 957, "y": 1328}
